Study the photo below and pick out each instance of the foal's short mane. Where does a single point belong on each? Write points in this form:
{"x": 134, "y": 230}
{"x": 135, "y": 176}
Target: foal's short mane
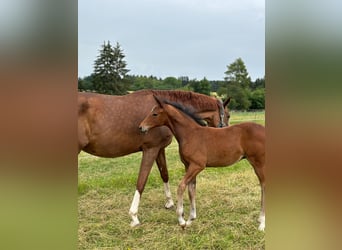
{"x": 196, "y": 100}
{"x": 187, "y": 111}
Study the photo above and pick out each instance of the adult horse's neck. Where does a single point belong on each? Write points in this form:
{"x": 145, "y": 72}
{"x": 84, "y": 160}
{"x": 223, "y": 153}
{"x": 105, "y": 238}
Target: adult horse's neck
{"x": 179, "y": 123}
{"x": 198, "y": 102}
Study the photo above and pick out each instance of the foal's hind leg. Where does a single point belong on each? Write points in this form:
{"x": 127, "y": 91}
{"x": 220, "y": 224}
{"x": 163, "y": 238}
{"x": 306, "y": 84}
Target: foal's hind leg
{"x": 259, "y": 167}
{"x": 161, "y": 163}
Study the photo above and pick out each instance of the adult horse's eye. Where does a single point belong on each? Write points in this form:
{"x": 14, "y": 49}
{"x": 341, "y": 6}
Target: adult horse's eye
{"x": 154, "y": 114}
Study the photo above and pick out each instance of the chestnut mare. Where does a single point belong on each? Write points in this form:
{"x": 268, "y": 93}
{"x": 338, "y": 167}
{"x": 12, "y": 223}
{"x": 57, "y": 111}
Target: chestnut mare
{"x": 108, "y": 127}
{"x": 212, "y": 147}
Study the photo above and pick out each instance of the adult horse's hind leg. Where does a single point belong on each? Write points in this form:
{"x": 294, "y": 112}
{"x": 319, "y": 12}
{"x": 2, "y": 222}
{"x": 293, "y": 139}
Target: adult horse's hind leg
{"x": 161, "y": 163}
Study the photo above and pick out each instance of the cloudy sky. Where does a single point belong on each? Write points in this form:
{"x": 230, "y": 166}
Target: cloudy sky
{"x": 194, "y": 38}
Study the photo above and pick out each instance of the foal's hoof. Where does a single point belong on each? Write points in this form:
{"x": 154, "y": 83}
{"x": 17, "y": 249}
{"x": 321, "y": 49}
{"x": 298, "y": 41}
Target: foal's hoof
{"x": 183, "y": 226}
{"x": 188, "y": 222}
{"x": 261, "y": 227}
{"x": 135, "y": 223}
{"x": 169, "y": 204}
{"x": 262, "y": 223}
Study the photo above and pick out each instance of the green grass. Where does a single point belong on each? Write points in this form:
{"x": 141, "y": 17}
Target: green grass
{"x": 241, "y": 116}
{"x": 228, "y": 203}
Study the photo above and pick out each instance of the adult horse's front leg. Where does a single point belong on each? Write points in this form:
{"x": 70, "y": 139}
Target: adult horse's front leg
{"x": 149, "y": 156}
{"x": 161, "y": 163}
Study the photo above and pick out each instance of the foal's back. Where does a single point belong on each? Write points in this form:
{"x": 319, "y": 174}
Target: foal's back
{"x": 228, "y": 145}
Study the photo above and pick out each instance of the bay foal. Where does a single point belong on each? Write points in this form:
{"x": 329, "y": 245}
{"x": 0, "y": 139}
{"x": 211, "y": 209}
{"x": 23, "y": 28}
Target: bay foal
{"x": 201, "y": 147}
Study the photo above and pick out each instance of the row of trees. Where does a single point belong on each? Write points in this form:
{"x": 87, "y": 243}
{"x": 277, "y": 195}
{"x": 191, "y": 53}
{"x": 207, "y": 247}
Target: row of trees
{"x": 110, "y": 76}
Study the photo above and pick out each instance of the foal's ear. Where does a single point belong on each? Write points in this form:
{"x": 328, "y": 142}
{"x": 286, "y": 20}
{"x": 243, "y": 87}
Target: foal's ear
{"x": 158, "y": 100}
{"x": 226, "y": 102}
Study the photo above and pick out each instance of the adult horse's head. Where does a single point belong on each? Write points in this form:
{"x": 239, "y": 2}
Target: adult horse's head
{"x": 224, "y": 113}
{"x": 212, "y": 110}
{"x": 217, "y": 118}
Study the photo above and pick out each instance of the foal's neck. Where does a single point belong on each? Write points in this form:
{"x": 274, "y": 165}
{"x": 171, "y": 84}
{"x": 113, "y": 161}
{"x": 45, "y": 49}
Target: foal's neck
{"x": 180, "y": 124}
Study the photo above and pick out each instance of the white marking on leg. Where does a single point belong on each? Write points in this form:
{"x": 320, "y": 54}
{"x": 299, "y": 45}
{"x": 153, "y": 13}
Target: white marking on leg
{"x": 192, "y": 195}
{"x": 133, "y": 211}
{"x": 169, "y": 202}
{"x": 262, "y": 220}
{"x": 192, "y": 214}
{"x": 180, "y": 211}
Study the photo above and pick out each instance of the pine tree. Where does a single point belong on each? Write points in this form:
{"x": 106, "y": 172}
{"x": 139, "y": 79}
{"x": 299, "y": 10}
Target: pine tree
{"x": 110, "y": 70}
{"x": 202, "y": 86}
{"x": 237, "y": 85}
{"x": 237, "y": 73}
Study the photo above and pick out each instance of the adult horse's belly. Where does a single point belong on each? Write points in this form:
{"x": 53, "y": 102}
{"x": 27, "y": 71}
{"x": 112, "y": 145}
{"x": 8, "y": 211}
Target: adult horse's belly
{"x": 121, "y": 143}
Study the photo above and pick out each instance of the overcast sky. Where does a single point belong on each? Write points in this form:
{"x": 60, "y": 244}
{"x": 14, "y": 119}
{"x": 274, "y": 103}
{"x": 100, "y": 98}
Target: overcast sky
{"x": 194, "y": 38}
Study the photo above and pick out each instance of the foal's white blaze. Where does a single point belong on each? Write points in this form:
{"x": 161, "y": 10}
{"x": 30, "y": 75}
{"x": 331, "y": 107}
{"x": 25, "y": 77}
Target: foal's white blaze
{"x": 133, "y": 211}
{"x": 169, "y": 202}
{"x": 153, "y": 108}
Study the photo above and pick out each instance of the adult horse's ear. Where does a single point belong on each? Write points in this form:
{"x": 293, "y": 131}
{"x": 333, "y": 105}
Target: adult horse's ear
{"x": 226, "y": 102}
{"x": 158, "y": 100}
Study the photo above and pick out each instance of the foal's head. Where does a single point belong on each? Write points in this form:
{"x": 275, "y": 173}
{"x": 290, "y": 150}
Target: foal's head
{"x": 157, "y": 117}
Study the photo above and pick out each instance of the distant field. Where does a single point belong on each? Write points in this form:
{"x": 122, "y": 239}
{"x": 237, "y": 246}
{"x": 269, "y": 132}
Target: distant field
{"x": 228, "y": 203}
{"x": 240, "y": 116}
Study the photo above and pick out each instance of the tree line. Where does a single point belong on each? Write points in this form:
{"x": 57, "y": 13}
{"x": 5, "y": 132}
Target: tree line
{"x": 110, "y": 76}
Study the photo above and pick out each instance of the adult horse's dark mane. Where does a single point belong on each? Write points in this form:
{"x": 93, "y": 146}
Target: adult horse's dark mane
{"x": 198, "y": 101}
{"x": 189, "y": 112}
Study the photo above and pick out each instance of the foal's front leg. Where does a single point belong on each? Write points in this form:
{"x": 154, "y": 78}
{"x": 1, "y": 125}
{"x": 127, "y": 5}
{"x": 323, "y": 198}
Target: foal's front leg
{"x": 180, "y": 207}
{"x": 190, "y": 175}
{"x": 192, "y": 195}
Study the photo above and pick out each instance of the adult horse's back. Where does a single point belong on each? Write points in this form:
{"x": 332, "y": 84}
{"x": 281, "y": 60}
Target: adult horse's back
{"x": 108, "y": 127}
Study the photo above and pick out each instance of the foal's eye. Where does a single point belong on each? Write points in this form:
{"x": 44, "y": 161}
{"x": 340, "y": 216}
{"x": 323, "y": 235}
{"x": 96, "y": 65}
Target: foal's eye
{"x": 154, "y": 114}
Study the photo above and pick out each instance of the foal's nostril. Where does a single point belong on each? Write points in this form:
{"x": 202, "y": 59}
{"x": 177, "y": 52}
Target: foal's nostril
{"x": 142, "y": 129}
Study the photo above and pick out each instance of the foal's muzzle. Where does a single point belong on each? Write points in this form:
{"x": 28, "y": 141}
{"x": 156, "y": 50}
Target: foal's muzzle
{"x": 143, "y": 129}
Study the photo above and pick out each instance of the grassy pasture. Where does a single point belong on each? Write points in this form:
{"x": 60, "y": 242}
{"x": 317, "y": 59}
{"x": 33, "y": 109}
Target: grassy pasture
{"x": 228, "y": 203}
{"x": 241, "y": 116}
